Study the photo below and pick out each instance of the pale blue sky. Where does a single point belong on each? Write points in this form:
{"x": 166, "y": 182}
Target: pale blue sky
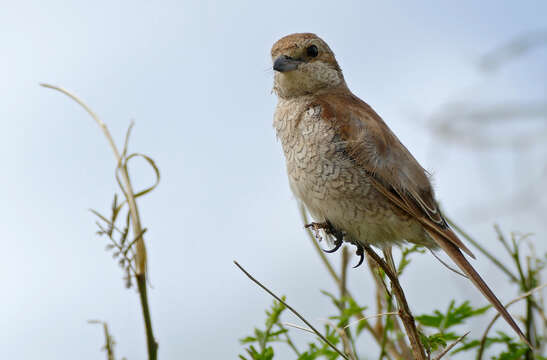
{"x": 196, "y": 78}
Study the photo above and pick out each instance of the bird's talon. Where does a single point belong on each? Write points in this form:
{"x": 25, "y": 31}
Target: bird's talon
{"x": 337, "y": 245}
{"x": 360, "y": 253}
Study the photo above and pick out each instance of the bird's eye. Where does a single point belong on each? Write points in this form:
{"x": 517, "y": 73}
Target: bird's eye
{"x": 312, "y": 51}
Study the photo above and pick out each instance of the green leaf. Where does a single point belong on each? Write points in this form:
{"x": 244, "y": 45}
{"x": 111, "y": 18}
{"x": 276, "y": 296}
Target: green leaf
{"x": 437, "y": 341}
{"x": 264, "y": 337}
{"x": 431, "y": 320}
{"x": 515, "y": 349}
{"x": 453, "y": 316}
{"x": 405, "y": 260}
{"x": 266, "y": 354}
{"x": 337, "y": 302}
{"x": 247, "y": 340}
{"x": 274, "y": 313}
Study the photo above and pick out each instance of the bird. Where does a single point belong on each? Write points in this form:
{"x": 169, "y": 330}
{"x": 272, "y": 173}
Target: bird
{"x": 350, "y": 171}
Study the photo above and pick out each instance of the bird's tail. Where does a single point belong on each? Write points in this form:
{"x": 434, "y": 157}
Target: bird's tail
{"x": 460, "y": 260}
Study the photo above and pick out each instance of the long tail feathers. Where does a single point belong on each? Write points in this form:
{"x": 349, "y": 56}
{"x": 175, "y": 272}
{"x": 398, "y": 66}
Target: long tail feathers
{"x": 460, "y": 260}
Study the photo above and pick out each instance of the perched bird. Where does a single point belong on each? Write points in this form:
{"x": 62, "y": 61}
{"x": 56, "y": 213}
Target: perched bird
{"x": 347, "y": 167}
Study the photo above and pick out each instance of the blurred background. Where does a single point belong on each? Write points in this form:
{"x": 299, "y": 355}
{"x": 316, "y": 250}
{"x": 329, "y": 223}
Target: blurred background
{"x": 463, "y": 85}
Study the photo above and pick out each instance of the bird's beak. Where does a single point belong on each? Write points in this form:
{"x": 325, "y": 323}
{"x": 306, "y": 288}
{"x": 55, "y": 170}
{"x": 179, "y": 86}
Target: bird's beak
{"x": 286, "y": 63}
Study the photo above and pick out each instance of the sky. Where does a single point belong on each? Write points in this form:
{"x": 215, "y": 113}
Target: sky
{"x": 196, "y": 78}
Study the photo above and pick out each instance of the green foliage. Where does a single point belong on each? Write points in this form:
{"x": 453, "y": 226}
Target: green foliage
{"x": 322, "y": 350}
{"x": 405, "y": 257}
{"x": 348, "y": 308}
{"x": 515, "y": 350}
{"x": 455, "y": 315}
{"x": 265, "y": 354}
{"x": 437, "y": 330}
{"x": 264, "y": 338}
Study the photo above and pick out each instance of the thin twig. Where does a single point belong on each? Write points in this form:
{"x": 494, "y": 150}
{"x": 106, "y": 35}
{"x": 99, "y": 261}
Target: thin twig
{"x": 449, "y": 347}
{"x": 377, "y": 335}
{"x": 515, "y": 255}
{"x": 501, "y": 238}
{"x": 345, "y": 340}
{"x": 370, "y": 317}
{"x": 385, "y": 339}
{"x": 496, "y": 317}
{"x": 343, "y": 295}
{"x": 405, "y": 314}
{"x": 299, "y": 327}
{"x": 383, "y": 294}
{"x": 344, "y": 272}
{"x": 291, "y": 309}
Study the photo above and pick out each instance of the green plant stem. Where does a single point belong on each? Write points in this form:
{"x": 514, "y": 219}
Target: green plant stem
{"x": 383, "y": 352}
{"x": 343, "y": 294}
{"x": 151, "y": 341}
{"x": 482, "y": 250}
{"x": 524, "y": 285}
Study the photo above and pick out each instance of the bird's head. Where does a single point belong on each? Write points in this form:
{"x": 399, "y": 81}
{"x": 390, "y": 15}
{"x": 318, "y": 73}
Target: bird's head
{"x": 304, "y": 64}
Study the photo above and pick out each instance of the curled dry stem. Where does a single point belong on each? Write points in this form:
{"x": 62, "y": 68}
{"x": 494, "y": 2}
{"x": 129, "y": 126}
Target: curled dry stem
{"x": 127, "y": 189}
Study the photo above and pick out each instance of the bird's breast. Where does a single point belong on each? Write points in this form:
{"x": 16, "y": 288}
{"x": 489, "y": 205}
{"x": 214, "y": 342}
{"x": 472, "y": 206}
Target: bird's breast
{"x": 320, "y": 171}
{"x": 330, "y": 184}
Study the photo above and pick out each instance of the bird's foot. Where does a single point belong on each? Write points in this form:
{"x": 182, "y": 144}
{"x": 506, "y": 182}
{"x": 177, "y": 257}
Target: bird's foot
{"x": 337, "y": 243}
{"x": 315, "y": 227}
{"x": 329, "y": 230}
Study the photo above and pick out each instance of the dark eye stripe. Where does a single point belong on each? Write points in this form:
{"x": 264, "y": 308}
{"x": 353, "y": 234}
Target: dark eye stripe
{"x": 312, "y": 51}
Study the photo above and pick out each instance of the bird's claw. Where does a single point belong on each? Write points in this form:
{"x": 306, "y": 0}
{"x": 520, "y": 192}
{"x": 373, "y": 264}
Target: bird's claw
{"x": 360, "y": 252}
{"x": 339, "y": 236}
{"x": 329, "y": 230}
{"x": 337, "y": 243}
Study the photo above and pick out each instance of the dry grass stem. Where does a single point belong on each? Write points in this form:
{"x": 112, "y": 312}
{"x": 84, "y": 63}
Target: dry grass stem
{"x": 292, "y": 310}
{"x": 288, "y": 324}
{"x": 345, "y": 340}
{"x": 449, "y": 347}
{"x": 127, "y": 189}
{"x": 370, "y": 317}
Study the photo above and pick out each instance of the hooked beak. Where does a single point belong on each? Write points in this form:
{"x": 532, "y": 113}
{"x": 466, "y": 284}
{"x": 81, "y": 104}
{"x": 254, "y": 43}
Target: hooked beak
{"x": 286, "y": 63}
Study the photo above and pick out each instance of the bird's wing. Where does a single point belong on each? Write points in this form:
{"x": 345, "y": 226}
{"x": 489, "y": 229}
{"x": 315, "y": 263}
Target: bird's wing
{"x": 393, "y": 171}
{"x": 396, "y": 174}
